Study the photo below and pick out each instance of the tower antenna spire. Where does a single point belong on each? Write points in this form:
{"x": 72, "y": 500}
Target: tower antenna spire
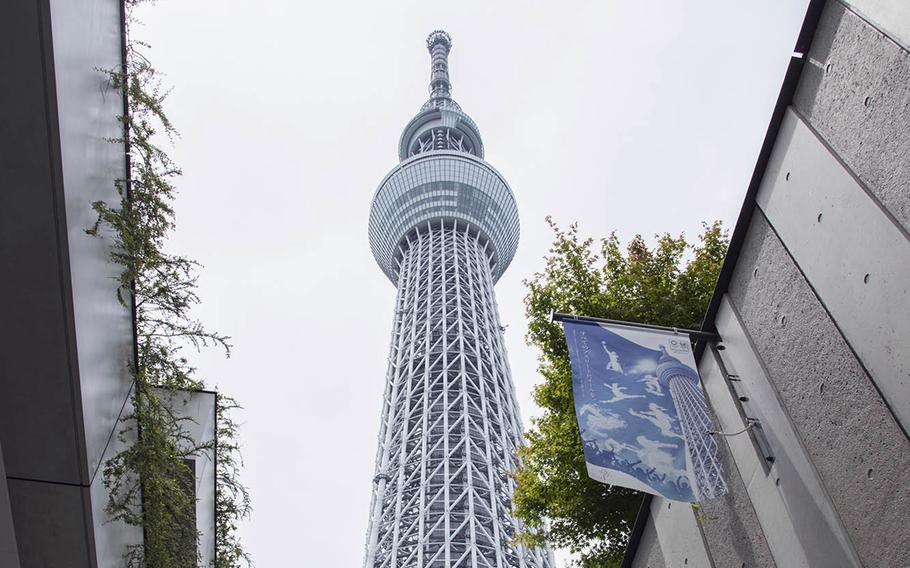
{"x": 439, "y": 43}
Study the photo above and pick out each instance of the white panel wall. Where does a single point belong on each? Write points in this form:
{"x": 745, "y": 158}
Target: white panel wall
{"x": 112, "y": 539}
{"x": 680, "y": 539}
{"x": 199, "y": 408}
{"x": 204, "y": 429}
{"x": 87, "y": 37}
{"x": 811, "y": 200}
{"x": 790, "y": 501}
{"x": 769, "y": 507}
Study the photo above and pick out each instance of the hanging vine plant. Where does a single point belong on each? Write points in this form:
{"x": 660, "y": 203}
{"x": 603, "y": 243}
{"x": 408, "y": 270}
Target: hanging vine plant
{"x": 150, "y": 483}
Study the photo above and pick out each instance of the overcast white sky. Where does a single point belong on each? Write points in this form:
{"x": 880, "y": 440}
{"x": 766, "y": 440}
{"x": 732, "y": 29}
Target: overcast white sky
{"x": 638, "y": 117}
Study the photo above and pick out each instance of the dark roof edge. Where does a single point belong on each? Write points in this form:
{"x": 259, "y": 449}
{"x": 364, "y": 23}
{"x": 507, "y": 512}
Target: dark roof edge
{"x": 644, "y": 511}
{"x": 787, "y": 90}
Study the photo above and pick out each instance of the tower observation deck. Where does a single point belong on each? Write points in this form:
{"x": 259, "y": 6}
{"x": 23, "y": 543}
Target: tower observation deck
{"x": 444, "y": 227}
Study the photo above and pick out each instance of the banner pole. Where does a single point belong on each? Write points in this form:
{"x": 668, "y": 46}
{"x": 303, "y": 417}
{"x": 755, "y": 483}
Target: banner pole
{"x": 693, "y": 333}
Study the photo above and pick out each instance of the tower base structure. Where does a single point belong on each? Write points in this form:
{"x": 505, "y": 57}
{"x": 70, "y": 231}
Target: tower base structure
{"x": 450, "y": 425}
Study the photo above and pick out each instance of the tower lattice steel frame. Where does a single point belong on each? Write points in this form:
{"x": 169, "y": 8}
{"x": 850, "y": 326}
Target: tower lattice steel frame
{"x": 444, "y": 227}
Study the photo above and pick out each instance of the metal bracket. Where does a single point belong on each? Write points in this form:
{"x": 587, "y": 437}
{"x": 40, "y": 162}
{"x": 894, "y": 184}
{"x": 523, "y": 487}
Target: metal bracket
{"x": 752, "y": 422}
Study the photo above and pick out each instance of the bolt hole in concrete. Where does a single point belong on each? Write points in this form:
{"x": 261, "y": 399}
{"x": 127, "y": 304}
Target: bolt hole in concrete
{"x": 787, "y": 177}
{"x": 819, "y": 218}
{"x": 755, "y": 272}
{"x": 821, "y": 388}
{"x": 869, "y": 473}
{"x": 777, "y": 481}
{"x": 867, "y": 101}
{"x": 685, "y": 560}
{"x": 866, "y": 279}
{"x": 783, "y": 320}
{"x": 668, "y": 505}
{"x": 828, "y": 68}
{"x": 744, "y": 398}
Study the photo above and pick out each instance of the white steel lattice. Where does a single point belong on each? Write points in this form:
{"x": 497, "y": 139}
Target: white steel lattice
{"x": 450, "y": 426}
{"x": 701, "y": 447}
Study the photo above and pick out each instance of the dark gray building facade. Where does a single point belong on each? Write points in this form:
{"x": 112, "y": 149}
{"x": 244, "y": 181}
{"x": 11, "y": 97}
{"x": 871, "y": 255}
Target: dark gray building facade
{"x": 813, "y": 313}
{"x": 65, "y": 340}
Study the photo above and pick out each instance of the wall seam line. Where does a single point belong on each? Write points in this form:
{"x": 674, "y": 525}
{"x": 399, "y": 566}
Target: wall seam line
{"x": 868, "y": 21}
{"x": 114, "y": 432}
{"x": 786, "y": 410}
{"x": 834, "y": 322}
{"x": 821, "y": 139}
{"x": 723, "y": 371}
{"x": 49, "y": 482}
{"x": 724, "y": 374}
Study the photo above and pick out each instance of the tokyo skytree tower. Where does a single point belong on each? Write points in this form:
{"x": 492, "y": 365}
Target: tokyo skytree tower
{"x": 443, "y": 228}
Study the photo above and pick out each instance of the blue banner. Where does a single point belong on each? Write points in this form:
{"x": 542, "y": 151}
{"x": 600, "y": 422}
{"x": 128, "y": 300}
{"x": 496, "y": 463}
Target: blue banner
{"x": 641, "y": 411}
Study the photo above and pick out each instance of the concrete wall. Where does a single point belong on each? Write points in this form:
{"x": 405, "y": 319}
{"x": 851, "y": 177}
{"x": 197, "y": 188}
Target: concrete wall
{"x": 855, "y": 99}
{"x": 814, "y": 317}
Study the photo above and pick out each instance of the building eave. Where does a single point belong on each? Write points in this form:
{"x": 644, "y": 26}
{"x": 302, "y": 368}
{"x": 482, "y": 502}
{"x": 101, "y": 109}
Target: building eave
{"x": 784, "y": 99}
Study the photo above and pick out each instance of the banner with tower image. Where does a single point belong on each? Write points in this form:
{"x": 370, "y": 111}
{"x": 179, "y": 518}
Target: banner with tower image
{"x": 641, "y": 411}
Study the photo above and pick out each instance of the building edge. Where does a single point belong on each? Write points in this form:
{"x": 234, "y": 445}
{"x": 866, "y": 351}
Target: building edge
{"x": 801, "y": 101}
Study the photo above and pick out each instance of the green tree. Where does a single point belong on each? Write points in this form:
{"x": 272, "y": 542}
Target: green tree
{"x": 663, "y": 285}
{"x": 150, "y": 482}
